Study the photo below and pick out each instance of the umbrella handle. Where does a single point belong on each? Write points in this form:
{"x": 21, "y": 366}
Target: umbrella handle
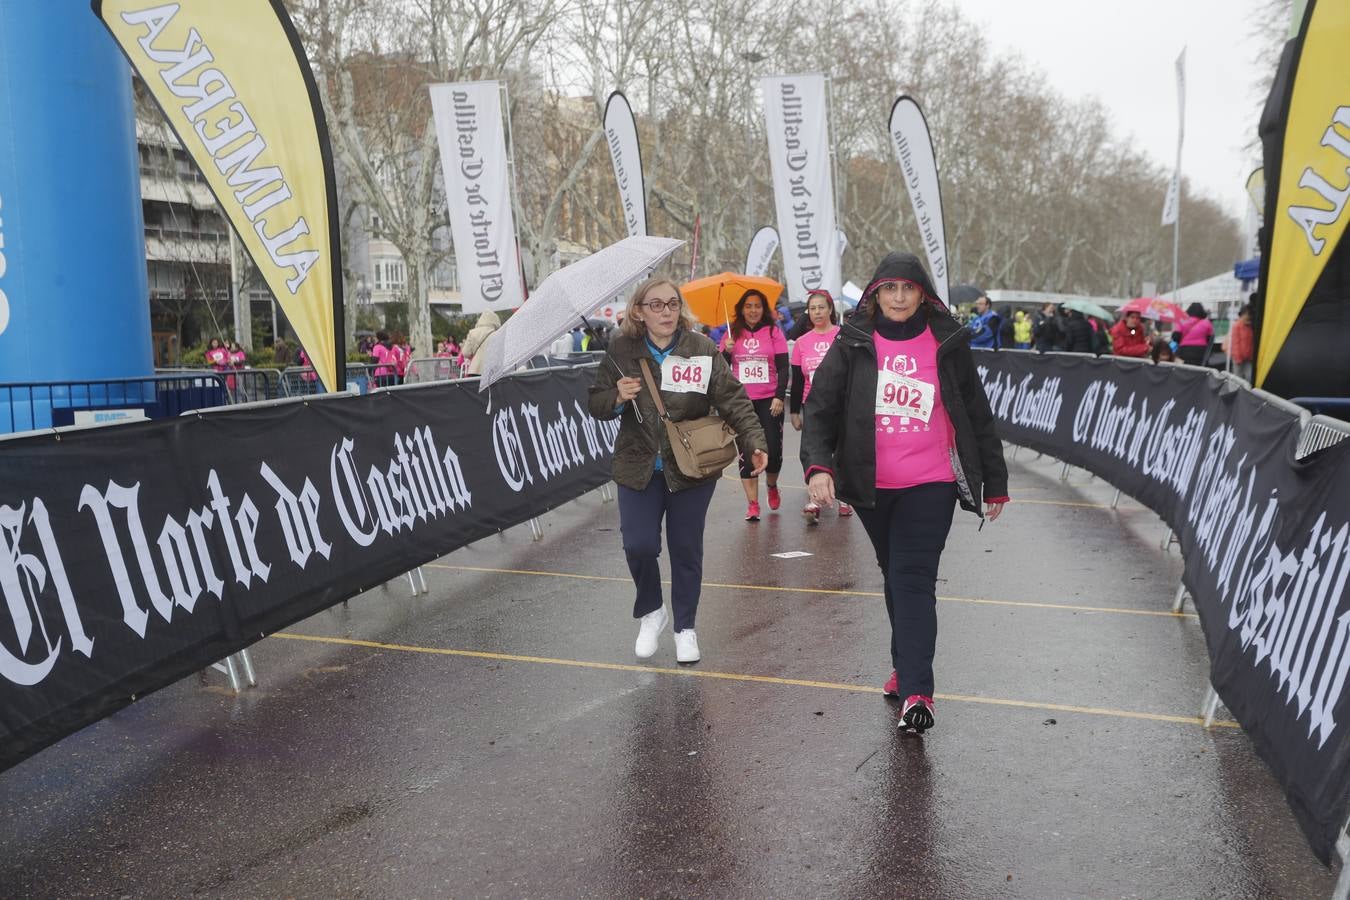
{"x": 637, "y": 412}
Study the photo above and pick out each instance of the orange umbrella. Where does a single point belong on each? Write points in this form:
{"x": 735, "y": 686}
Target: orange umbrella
{"x": 712, "y": 300}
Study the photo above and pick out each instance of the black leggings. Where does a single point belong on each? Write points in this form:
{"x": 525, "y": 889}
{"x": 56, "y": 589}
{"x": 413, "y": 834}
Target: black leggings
{"x": 908, "y": 529}
{"x": 773, "y": 434}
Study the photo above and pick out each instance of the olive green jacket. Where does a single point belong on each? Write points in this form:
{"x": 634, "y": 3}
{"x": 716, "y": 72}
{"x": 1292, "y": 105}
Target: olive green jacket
{"x": 638, "y": 443}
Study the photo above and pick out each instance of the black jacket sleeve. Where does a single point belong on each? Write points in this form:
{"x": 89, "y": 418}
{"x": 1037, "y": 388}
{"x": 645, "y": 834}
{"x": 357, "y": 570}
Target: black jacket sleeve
{"x": 795, "y": 393}
{"x": 993, "y": 467}
{"x": 780, "y": 363}
{"x": 604, "y": 392}
{"x": 822, "y": 423}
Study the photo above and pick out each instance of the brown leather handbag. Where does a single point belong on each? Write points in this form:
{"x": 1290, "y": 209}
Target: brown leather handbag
{"x": 704, "y": 446}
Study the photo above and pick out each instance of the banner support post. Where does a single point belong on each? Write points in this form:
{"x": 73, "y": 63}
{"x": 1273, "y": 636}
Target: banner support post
{"x": 1342, "y": 889}
{"x": 1210, "y": 708}
{"x": 504, "y": 97}
{"x": 834, "y": 155}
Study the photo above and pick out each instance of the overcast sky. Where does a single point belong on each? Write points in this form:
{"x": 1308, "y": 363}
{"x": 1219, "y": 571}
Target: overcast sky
{"x": 1124, "y": 54}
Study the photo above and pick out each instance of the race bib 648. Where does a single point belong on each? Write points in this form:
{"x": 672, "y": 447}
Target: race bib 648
{"x": 680, "y": 375}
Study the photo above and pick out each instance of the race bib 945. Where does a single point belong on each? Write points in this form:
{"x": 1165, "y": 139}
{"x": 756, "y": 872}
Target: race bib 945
{"x": 753, "y": 370}
{"x": 900, "y": 395}
{"x": 686, "y": 376}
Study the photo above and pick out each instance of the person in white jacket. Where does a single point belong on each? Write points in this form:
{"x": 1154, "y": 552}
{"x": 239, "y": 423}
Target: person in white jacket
{"x": 477, "y": 338}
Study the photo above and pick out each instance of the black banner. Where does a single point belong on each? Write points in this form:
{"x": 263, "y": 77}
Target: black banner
{"x": 134, "y": 555}
{"x": 1265, "y": 539}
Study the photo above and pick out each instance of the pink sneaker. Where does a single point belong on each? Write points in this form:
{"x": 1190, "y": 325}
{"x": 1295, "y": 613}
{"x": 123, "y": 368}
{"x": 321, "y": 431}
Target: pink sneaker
{"x": 752, "y": 511}
{"x": 775, "y": 498}
{"x": 917, "y": 715}
{"x": 845, "y": 510}
{"x": 891, "y": 689}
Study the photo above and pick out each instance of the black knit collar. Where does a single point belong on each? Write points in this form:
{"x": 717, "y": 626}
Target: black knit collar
{"x": 902, "y": 331}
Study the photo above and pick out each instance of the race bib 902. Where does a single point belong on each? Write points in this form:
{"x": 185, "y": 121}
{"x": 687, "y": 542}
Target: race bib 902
{"x": 686, "y": 376}
{"x": 753, "y": 370}
{"x": 900, "y": 395}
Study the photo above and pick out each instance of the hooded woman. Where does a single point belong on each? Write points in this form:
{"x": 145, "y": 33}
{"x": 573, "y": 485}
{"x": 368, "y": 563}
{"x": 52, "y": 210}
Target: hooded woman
{"x": 488, "y": 323}
{"x": 658, "y": 334}
{"x": 758, "y": 353}
{"x": 899, "y": 426}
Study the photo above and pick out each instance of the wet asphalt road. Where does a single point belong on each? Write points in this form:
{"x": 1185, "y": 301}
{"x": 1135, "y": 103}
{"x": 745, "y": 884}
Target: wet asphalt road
{"x": 496, "y": 737}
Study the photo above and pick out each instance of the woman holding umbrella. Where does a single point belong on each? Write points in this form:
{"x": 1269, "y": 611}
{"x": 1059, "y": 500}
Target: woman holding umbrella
{"x": 758, "y": 354}
{"x": 900, "y": 427}
{"x": 658, "y": 331}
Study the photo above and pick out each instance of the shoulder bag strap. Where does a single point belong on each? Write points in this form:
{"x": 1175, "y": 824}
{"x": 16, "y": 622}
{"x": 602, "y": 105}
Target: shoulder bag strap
{"x": 651, "y": 386}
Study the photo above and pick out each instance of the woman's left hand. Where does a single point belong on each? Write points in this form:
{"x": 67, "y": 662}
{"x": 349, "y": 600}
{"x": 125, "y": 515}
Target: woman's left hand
{"x": 760, "y": 460}
{"x": 992, "y": 510}
{"x": 776, "y": 407}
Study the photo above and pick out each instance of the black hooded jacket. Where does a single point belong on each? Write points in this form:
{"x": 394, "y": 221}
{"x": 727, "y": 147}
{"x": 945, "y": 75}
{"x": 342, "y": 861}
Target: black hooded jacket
{"x": 839, "y": 431}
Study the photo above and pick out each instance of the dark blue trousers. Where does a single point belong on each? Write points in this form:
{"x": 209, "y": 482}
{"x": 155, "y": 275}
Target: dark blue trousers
{"x": 908, "y": 529}
{"x": 640, "y": 515}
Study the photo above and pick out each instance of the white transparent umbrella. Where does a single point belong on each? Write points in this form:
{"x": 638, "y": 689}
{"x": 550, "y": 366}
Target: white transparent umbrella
{"x": 568, "y": 296}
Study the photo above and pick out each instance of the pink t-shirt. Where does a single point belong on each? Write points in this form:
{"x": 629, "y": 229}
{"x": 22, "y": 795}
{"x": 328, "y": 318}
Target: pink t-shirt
{"x": 914, "y": 433}
{"x": 1196, "y": 332}
{"x": 752, "y": 359}
{"x": 809, "y": 351}
{"x": 386, "y": 360}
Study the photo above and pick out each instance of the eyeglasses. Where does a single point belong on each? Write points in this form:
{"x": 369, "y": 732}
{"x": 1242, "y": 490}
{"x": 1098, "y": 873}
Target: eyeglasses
{"x": 657, "y": 306}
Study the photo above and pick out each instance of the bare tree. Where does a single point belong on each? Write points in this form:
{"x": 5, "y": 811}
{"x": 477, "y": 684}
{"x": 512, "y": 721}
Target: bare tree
{"x": 376, "y": 59}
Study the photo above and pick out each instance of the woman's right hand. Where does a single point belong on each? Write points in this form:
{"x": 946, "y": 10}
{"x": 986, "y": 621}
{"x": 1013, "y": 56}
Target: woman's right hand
{"x": 797, "y": 421}
{"x": 628, "y": 388}
{"x": 821, "y": 489}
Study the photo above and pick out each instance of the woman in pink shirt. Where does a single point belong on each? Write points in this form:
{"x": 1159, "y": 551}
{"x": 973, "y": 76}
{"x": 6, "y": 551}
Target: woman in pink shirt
{"x": 217, "y": 355}
{"x": 758, "y": 353}
{"x": 385, "y": 358}
{"x": 237, "y": 359}
{"x": 402, "y": 353}
{"x": 1197, "y": 333}
{"x": 808, "y": 352}
{"x": 899, "y": 426}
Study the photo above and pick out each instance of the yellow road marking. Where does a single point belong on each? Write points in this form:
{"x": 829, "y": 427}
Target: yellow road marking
{"x": 1166, "y": 614}
{"x": 736, "y": 676}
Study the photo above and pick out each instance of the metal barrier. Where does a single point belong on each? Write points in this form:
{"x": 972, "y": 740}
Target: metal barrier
{"x": 433, "y": 368}
{"x": 28, "y": 407}
{"x": 566, "y": 361}
{"x": 303, "y": 381}
{"x": 1319, "y": 433}
{"x": 1339, "y": 407}
{"x": 243, "y": 385}
{"x": 250, "y": 385}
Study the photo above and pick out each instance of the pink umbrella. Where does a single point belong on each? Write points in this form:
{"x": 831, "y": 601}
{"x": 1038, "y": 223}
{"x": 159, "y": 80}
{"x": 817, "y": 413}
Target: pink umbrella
{"x": 1154, "y": 308}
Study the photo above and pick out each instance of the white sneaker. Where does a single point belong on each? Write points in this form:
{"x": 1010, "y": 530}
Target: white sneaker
{"x": 649, "y": 631}
{"x": 686, "y": 646}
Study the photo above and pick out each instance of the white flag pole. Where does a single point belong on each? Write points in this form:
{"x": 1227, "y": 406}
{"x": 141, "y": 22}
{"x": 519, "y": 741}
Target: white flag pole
{"x": 505, "y": 100}
{"x": 838, "y": 287}
{"x": 1181, "y": 135}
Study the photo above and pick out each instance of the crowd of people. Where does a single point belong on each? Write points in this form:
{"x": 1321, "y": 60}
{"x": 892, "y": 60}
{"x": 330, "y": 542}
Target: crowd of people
{"x": 1189, "y": 338}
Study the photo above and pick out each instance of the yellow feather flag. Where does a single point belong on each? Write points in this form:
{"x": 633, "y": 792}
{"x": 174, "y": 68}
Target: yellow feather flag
{"x": 1309, "y": 213}
{"x": 236, "y": 88}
